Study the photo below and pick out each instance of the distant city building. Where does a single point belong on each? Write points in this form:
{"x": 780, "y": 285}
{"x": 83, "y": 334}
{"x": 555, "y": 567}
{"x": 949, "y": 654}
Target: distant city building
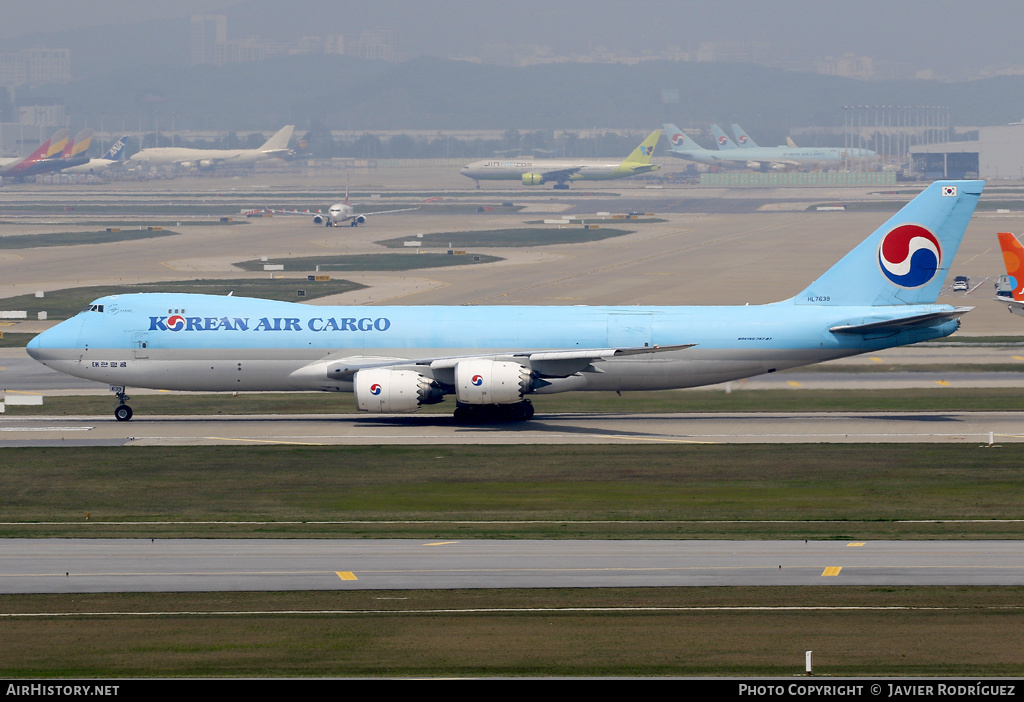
{"x": 207, "y": 33}
{"x": 42, "y": 115}
{"x": 33, "y": 67}
{"x": 376, "y": 44}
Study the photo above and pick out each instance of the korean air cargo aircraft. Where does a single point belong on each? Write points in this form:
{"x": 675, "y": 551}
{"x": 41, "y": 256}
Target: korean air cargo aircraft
{"x": 490, "y": 360}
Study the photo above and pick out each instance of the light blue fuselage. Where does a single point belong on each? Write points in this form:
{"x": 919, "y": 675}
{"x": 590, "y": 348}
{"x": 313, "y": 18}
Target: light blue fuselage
{"x": 230, "y": 343}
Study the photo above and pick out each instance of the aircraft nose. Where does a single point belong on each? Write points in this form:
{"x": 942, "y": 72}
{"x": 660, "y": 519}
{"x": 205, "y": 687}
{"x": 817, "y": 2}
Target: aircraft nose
{"x": 33, "y": 346}
{"x": 46, "y": 346}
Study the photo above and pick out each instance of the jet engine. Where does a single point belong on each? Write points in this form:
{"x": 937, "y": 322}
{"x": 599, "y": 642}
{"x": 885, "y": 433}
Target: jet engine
{"x": 533, "y": 178}
{"x": 358, "y": 219}
{"x": 384, "y": 390}
{"x": 319, "y": 219}
{"x": 206, "y": 163}
{"x": 482, "y": 381}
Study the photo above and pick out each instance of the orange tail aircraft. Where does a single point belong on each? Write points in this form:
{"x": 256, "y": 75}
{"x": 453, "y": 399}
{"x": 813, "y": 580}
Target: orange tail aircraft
{"x": 1013, "y": 256}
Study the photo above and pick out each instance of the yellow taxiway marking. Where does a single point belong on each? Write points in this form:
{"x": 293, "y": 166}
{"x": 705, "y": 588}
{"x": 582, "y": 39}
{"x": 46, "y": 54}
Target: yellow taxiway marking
{"x": 1018, "y": 358}
{"x": 265, "y": 441}
{"x": 856, "y": 543}
{"x": 441, "y": 543}
{"x": 792, "y": 383}
{"x": 876, "y": 359}
{"x": 21, "y": 392}
{"x": 942, "y": 382}
{"x": 831, "y": 570}
{"x": 346, "y": 575}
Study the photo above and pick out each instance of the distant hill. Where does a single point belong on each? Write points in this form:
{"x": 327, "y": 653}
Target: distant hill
{"x": 343, "y": 92}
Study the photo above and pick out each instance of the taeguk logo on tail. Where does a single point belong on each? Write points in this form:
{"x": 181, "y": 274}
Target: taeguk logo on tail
{"x": 909, "y": 256}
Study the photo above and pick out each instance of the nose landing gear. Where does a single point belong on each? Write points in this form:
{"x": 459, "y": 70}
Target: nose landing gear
{"x": 122, "y": 412}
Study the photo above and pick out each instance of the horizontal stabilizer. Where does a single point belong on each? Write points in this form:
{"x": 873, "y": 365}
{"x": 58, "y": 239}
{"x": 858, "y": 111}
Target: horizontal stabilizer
{"x": 900, "y": 323}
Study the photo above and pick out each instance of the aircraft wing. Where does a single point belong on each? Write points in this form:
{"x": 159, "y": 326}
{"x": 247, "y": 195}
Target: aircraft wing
{"x": 1014, "y": 306}
{"x": 560, "y": 175}
{"x": 555, "y": 363}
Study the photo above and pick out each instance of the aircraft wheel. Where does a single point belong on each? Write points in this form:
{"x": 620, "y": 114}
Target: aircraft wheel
{"x": 465, "y": 414}
{"x": 123, "y": 413}
{"x": 523, "y": 411}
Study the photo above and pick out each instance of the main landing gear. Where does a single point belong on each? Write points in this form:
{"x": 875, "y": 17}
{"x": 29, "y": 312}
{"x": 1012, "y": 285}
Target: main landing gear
{"x": 484, "y": 414}
{"x": 122, "y": 412}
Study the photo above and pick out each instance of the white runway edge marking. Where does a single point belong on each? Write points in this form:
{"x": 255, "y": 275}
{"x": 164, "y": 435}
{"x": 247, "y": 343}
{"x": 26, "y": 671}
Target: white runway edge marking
{"x": 46, "y": 428}
{"x": 96, "y": 522}
{"x": 494, "y": 610}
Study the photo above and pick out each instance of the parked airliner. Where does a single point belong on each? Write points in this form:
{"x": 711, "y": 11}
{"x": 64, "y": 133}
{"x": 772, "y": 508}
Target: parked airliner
{"x": 539, "y": 171}
{"x": 491, "y": 359}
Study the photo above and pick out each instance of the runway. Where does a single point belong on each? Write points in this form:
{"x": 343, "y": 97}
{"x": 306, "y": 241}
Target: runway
{"x": 361, "y": 429}
{"x": 142, "y": 565}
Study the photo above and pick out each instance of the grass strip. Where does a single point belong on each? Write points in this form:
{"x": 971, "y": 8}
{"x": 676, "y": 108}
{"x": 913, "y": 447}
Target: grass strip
{"x": 510, "y": 491}
{"x": 33, "y": 241}
{"x": 536, "y": 633}
{"x": 371, "y": 262}
{"x": 62, "y": 304}
{"x": 527, "y": 236}
{"x": 938, "y": 399}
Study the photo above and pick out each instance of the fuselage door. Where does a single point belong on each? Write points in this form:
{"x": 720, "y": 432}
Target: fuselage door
{"x": 140, "y": 344}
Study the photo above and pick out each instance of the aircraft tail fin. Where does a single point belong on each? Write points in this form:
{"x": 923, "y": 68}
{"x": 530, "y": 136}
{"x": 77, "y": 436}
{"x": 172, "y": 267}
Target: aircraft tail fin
{"x": 679, "y": 141}
{"x": 56, "y": 144}
{"x": 906, "y": 260}
{"x": 722, "y": 139}
{"x": 116, "y": 150}
{"x": 743, "y": 139}
{"x": 279, "y": 142}
{"x": 790, "y": 143}
{"x": 78, "y": 146}
{"x": 1013, "y": 256}
{"x": 642, "y": 154}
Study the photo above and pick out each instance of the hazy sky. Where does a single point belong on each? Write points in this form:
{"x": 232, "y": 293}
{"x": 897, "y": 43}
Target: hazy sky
{"x": 942, "y": 35}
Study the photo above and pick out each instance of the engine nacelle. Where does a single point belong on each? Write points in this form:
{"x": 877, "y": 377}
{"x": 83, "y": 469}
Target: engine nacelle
{"x": 483, "y": 381}
{"x": 754, "y": 165}
{"x": 319, "y": 219}
{"x": 206, "y": 163}
{"x": 384, "y": 390}
{"x": 533, "y": 178}
{"x": 359, "y": 219}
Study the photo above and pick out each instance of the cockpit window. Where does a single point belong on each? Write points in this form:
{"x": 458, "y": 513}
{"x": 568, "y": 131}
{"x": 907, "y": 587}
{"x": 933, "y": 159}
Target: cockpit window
{"x": 93, "y": 308}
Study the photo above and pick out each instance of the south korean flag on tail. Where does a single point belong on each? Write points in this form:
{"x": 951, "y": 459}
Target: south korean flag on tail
{"x": 949, "y": 191}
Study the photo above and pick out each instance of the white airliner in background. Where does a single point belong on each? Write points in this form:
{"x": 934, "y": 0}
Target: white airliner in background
{"x": 491, "y": 359}
{"x": 114, "y": 155}
{"x": 275, "y": 146}
{"x": 539, "y": 171}
{"x": 336, "y": 215}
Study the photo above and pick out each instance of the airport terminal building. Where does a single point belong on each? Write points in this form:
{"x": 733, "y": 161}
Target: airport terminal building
{"x": 998, "y": 154}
